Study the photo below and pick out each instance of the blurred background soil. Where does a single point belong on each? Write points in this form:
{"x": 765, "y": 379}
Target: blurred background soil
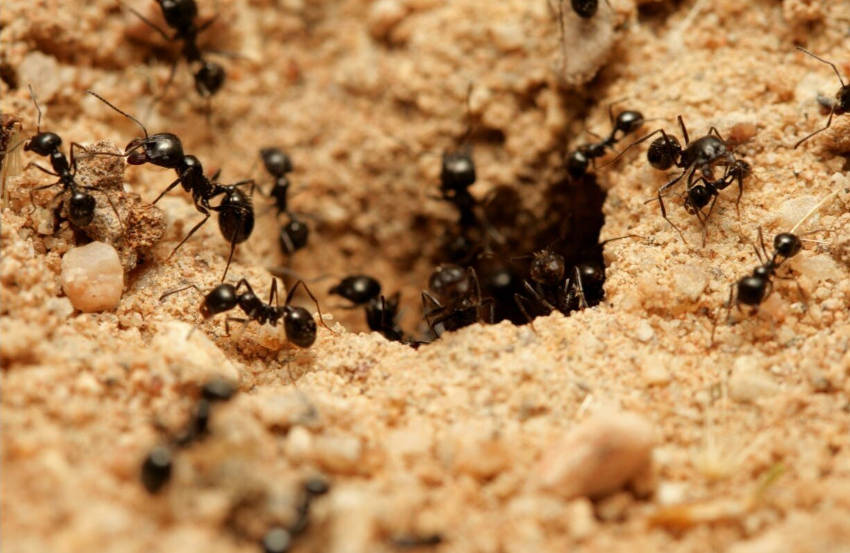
{"x": 752, "y": 433}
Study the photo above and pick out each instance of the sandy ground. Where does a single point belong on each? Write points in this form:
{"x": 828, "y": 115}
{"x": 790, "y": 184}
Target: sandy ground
{"x": 751, "y": 434}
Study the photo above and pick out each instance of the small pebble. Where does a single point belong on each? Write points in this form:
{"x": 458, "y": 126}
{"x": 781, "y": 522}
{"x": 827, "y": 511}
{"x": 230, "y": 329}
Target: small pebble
{"x": 598, "y": 456}
{"x": 92, "y": 277}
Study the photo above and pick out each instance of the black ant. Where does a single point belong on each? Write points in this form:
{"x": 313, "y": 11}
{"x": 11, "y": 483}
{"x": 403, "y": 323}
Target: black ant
{"x": 553, "y": 289}
{"x": 626, "y": 123}
{"x": 235, "y": 210}
{"x": 278, "y": 539}
{"x": 81, "y": 204}
{"x": 839, "y": 106}
{"x": 157, "y": 466}
{"x": 697, "y": 160}
{"x": 298, "y": 324}
{"x": 454, "y": 300}
{"x": 180, "y": 16}
{"x": 754, "y": 289}
{"x": 381, "y": 312}
{"x": 293, "y": 234}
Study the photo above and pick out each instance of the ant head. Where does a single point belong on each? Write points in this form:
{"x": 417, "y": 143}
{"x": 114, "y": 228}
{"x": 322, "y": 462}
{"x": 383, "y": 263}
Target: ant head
{"x": 787, "y": 244}
{"x": 752, "y": 289}
{"x": 591, "y": 274}
{"x": 740, "y": 169}
{"x": 577, "y": 163}
{"x": 209, "y": 78}
{"x": 162, "y": 149}
{"x": 81, "y": 208}
{"x": 663, "y": 152}
{"x": 43, "y": 143}
{"x": 293, "y": 236}
{"x": 357, "y": 289}
{"x": 585, "y": 8}
{"x": 276, "y": 161}
{"x": 458, "y": 171}
{"x": 698, "y": 198}
{"x": 547, "y": 267}
{"x": 222, "y": 298}
{"x": 178, "y": 13}
{"x": 300, "y": 327}
{"x": 449, "y": 281}
{"x": 628, "y": 121}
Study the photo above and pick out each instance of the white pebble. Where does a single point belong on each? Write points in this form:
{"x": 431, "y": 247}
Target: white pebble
{"x": 598, "y": 456}
{"x": 92, "y": 277}
{"x": 748, "y": 382}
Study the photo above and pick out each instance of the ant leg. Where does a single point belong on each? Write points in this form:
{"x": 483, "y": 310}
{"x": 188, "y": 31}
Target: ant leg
{"x": 428, "y": 312}
{"x": 684, "y": 130}
{"x": 522, "y": 309}
{"x": 148, "y": 22}
{"x": 635, "y": 143}
{"x": 228, "y": 320}
{"x": 232, "y": 250}
{"x": 312, "y": 297}
{"x": 705, "y": 220}
{"x": 176, "y": 290}
{"x": 740, "y": 193}
{"x": 164, "y": 192}
{"x": 828, "y": 123}
{"x": 168, "y": 82}
{"x": 40, "y": 168}
{"x": 582, "y": 300}
{"x": 191, "y": 232}
{"x": 664, "y": 213}
{"x": 714, "y": 130}
{"x": 820, "y": 59}
{"x": 273, "y": 292}
{"x": 530, "y": 289}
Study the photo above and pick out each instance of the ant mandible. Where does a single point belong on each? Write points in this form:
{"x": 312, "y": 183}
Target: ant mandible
{"x": 626, "y": 123}
{"x": 839, "y": 106}
{"x": 180, "y": 15}
{"x": 298, "y": 325}
{"x": 235, "y": 210}
{"x": 81, "y": 204}
{"x": 697, "y": 160}
{"x": 754, "y": 289}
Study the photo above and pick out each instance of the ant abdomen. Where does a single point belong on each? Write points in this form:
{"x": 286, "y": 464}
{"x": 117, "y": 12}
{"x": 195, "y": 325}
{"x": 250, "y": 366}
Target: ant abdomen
{"x": 293, "y": 236}
{"x": 752, "y": 290}
{"x": 300, "y": 327}
{"x": 209, "y": 78}
{"x": 81, "y": 208}
{"x": 236, "y": 216}
{"x": 663, "y": 152}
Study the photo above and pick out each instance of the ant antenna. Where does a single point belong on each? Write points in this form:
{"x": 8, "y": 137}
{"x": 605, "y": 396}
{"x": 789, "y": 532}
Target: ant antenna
{"x": 34, "y": 101}
{"x": 820, "y": 59}
{"x": 124, "y": 113}
{"x": 811, "y": 212}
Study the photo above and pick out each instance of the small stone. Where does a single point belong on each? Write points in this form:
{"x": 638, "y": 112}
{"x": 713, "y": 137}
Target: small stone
{"x": 339, "y": 454}
{"x": 644, "y": 332}
{"x": 598, "y": 456}
{"x": 748, "y": 383}
{"x": 92, "y": 277}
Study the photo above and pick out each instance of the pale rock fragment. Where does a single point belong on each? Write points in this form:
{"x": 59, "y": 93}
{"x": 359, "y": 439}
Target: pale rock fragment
{"x": 748, "y": 382}
{"x": 92, "y": 277}
{"x": 191, "y": 356}
{"x": 598, "y": 456}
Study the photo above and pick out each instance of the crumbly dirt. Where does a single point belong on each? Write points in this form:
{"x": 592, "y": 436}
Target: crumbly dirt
{"x": 752, "y": 432}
